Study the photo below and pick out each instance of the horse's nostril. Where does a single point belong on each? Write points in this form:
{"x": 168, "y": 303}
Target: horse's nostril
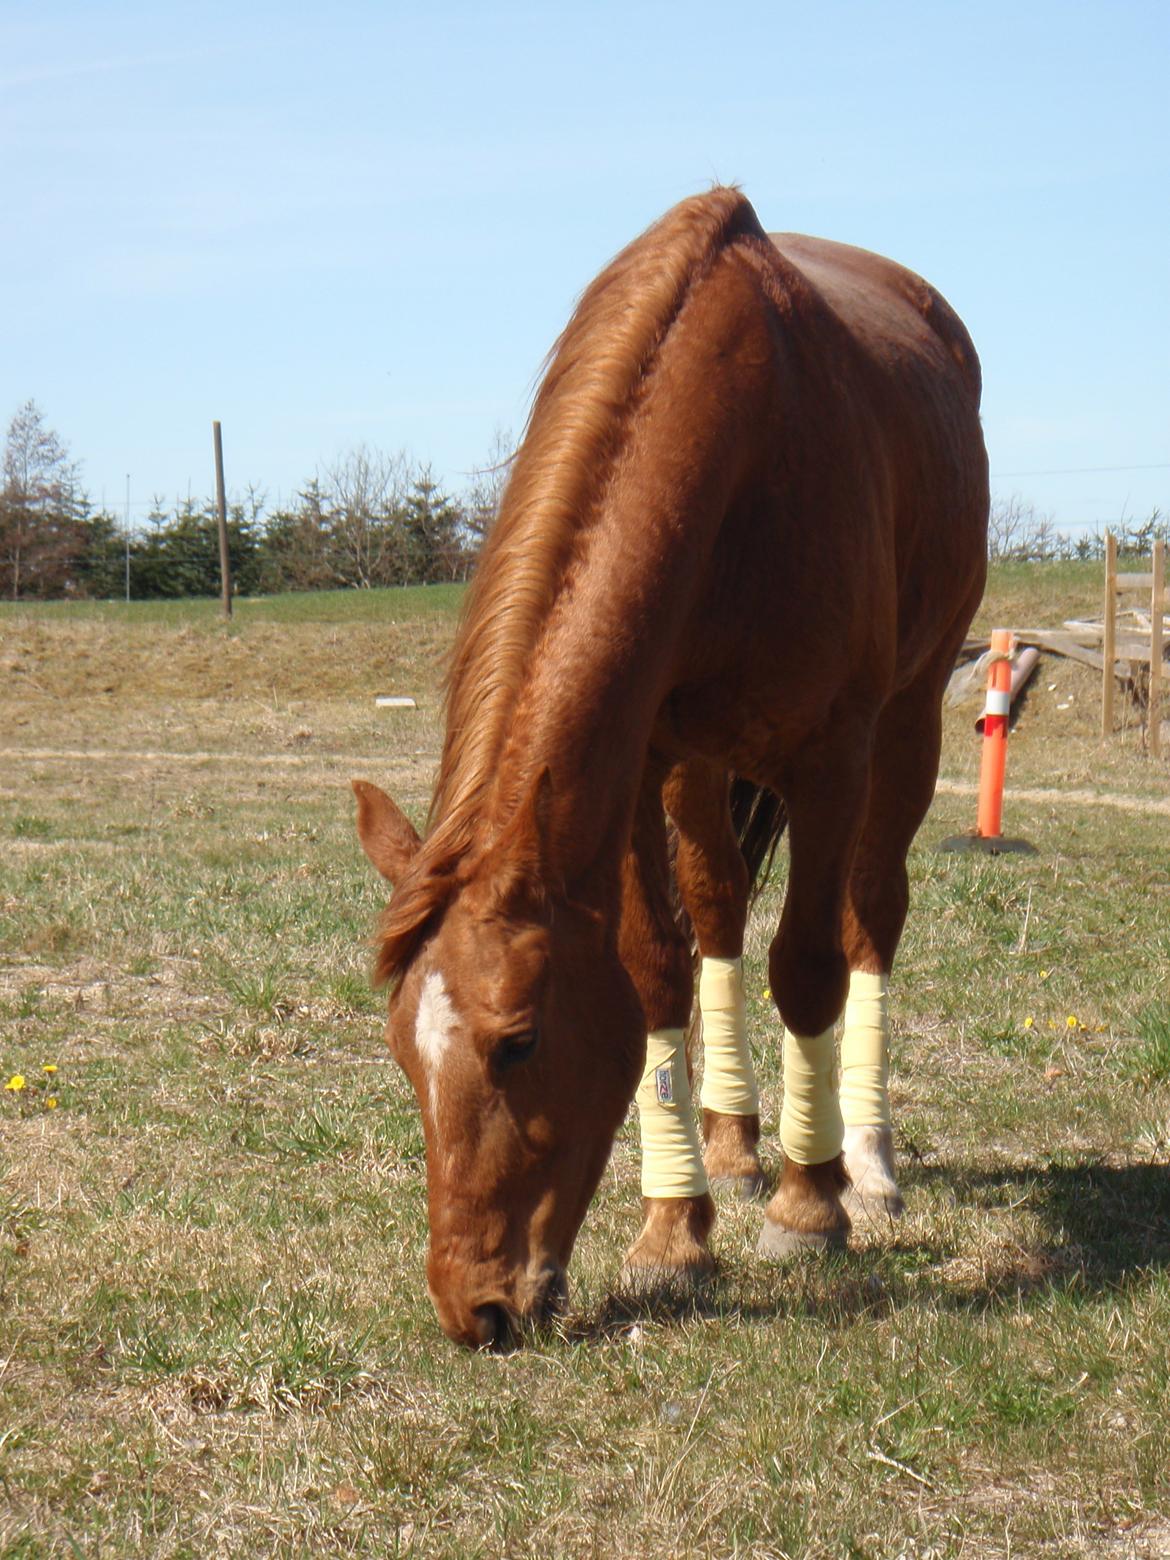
{"x": 554, "y": 1296}
{"x": 493, "y": 1326}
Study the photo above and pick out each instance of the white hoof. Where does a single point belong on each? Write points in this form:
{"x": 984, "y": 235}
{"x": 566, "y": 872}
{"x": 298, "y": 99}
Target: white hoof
{"x": 869, "y": 1159}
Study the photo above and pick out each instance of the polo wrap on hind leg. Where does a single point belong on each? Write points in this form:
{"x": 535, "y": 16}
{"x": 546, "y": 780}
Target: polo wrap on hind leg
{"x": 865, "y": 1066}
{"x": 811, "y": 1128}
{"x": 729, "y": 1080}
{"x": 672, "y": 1162}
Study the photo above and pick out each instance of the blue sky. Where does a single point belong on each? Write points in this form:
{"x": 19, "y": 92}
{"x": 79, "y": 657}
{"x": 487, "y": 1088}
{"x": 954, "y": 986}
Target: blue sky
{"x": 328, "y": 225}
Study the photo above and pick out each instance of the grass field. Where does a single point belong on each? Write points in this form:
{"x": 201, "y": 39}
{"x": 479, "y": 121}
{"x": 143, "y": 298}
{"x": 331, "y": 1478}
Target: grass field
{"x": 214, "y": 1333}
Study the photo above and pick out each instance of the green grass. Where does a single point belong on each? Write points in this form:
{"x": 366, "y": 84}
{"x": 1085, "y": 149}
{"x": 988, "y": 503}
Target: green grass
{"x": 214, "y": 1330}
{"x": 324, "y": 606}
{"x": 1151, "y": 1058}
{"x": 1037, "y": 595}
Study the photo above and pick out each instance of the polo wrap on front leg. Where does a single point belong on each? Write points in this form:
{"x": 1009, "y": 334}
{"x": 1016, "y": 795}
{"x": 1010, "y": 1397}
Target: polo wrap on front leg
{"x": 672, "y": 1162}
{"x": 811, "y": 1129}
{"x": 865, "y": 1067}
{"x": 729, "y": 1080}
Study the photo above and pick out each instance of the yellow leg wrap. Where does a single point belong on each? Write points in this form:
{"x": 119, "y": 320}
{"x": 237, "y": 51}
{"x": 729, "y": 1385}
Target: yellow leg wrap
{"x": 865, "y": 1068}
{"x": 729, "y": 1081}
{"x": 811, "y": 1129}
{"x": 672, "y": 1162}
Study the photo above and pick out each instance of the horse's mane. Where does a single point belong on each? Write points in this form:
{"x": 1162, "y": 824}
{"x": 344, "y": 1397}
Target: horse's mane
{"x": 576, "y": 427}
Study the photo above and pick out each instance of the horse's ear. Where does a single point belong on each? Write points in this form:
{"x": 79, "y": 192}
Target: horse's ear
{"x": 520, "y": 862}
{"x": 388, "y": 837}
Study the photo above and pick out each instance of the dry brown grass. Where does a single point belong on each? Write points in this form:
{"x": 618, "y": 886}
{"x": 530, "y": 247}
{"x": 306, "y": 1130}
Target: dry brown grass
{"x": 214, "y": 1336}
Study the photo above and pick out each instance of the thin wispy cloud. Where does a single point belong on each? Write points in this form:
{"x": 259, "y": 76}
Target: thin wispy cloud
{"x": 72, "y": 70}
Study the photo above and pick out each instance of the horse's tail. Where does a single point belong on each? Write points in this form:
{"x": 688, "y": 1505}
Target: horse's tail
{"x": 759, "y": 818}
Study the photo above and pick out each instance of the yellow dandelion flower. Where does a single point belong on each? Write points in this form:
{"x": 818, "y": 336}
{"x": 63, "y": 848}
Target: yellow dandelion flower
{"x": 1029, "y": 1022}
{"x": 1072, "y": 1022}
{"x": 50, "y": 1068}
{"x": 1044, "y": 974}
{"x": 15, "y": 1083}
{"x": 767, "y": 993}
{"x": 51, "y": 1102}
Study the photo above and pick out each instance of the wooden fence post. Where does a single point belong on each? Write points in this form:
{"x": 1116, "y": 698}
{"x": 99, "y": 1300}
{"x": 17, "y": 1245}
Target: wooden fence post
{"x": 1110, "y": 645}
{"x": 1157, "y": 607}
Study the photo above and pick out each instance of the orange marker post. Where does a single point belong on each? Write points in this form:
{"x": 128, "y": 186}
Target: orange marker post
{"x": 989, "y": 825}
{"x": 988, "y": 832}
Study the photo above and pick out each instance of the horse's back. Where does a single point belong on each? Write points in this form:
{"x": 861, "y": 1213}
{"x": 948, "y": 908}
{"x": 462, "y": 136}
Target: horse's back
{"x": 891, "y": 310}
{"x": 910, "y": 362}
{"x": 856, "y": 563}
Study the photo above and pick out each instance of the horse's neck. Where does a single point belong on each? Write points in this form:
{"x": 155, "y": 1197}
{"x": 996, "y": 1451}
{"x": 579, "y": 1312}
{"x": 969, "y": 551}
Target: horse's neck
{"x": 598, "y": 677}
{"x": 610, "y": 646}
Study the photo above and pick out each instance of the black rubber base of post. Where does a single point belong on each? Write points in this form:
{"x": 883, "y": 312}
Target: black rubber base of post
{"x": 988, "y": 845}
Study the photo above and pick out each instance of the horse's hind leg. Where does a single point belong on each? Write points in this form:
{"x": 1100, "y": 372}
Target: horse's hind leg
{"x": 678, "y": 1212}
{"x": 824, "y": 788}
{"x": 713, "y": 885}
{"x": 905, "y": 764}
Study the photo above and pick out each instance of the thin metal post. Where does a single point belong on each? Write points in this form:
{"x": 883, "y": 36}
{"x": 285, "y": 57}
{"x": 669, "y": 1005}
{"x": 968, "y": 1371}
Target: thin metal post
{"x": 127, "y": 538}
{"x": 225, "y": 563}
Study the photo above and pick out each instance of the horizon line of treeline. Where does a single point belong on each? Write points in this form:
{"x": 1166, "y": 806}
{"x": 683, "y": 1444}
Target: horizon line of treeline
{"x": 422, "y": 536}
{"x": 373, "y": 521}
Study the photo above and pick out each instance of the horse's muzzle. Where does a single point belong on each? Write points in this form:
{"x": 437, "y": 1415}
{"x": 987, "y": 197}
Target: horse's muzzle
{"x": 499, "y": 1324}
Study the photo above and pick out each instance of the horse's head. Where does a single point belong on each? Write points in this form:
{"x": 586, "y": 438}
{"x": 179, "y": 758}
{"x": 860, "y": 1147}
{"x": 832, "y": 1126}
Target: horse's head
{"x": 522, "y": 1035}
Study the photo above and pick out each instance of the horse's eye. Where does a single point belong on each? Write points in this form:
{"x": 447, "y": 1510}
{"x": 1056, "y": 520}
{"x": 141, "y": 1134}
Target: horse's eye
{"x": 515, "y": 1049}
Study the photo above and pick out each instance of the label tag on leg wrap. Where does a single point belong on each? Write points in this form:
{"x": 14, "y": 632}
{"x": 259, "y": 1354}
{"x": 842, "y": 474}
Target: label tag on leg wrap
{"x": 811, "y": 1129}
{"x": 729, "y": 1080}
{"x": 865, "y": 1071}
{"x": 672, "y": 1162}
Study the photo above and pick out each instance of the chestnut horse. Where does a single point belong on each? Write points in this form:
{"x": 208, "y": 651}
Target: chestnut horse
{"x": 745, "y": 531}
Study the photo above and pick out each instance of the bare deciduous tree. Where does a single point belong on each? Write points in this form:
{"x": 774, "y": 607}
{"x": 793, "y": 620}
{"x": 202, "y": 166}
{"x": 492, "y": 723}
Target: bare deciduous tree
{"x": 367, "y": 493}
{"x": 487, "y": 489}
{"x": 38, "y": 506}
{"x": 1015, "y": 530}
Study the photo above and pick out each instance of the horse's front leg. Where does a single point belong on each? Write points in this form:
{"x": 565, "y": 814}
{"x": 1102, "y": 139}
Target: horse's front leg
{"x": 713, "y": 885}
{"x": 678, "y": 1212}
{"x": 825, "y": 790}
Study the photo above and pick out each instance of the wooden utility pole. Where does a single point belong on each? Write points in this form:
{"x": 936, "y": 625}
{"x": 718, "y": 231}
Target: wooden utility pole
{"x": 225, "y": 562}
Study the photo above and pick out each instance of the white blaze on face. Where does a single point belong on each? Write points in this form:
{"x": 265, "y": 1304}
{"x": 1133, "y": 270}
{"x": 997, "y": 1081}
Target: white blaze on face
{"x": 434, "y": 1028}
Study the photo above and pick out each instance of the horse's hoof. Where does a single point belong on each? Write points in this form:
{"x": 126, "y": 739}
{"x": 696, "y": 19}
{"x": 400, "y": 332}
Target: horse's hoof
{"x": 642, "y": 1279}
{"x": 730, "y": 1157}
{"x": 869, "y": 1159}
{"x": 807, "y": 1213}
{"x": 779, "y": 1244}
{"x": 748, "y": 1188}
{"x": 671, "y": 1251}
{"x": 876, "y": 1203}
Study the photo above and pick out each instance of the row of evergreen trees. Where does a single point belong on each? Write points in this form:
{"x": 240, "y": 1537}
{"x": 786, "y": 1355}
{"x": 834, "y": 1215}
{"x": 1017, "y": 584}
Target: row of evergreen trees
{"x": 314, "y": 544}
{"x": 370, "y": 520}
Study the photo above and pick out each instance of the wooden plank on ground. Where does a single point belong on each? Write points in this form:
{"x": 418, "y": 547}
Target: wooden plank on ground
{"x": 1127, "y": 647}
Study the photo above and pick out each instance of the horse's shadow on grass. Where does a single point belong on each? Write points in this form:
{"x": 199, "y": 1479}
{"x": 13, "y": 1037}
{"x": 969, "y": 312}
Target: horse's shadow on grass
{"x": 1100, "y": 1227}
{"x": 1100, "y": 1224}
